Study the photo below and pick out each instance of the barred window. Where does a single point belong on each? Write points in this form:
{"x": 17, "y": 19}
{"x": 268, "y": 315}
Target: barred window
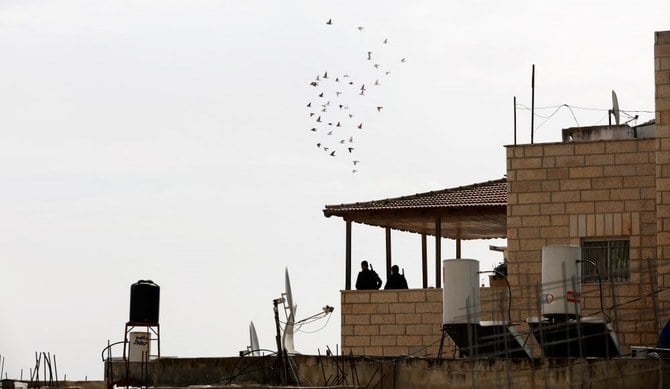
{"x": 612, "y": 258}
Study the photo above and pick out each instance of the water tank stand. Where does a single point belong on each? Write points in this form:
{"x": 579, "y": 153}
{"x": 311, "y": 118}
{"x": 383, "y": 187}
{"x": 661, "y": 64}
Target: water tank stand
{"x": 150, "y": 327}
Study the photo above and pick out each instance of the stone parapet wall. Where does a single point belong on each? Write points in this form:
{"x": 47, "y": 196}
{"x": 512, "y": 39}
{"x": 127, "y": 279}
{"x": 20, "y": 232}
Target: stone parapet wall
{"x": 366, "y": 372}
{"x": 403, "y": 321}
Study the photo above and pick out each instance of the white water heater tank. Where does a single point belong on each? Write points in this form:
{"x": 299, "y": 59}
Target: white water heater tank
{"x": 561, "y": 280}
{"x": 139, "y": 346}
{"x": 460, "y": 292}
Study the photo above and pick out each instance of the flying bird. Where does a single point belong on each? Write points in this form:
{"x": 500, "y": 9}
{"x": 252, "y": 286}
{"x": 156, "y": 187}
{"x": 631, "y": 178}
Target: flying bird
{"x": 330, "y": 21}
{"x": 360, "y": 126}
{"x": 321, "y": 94}
{"x": 350, "y": 149}
{"x": 314, "y": 129}
{"x": 403, "y": 60}
{"x": 379, "y": 109}
{"x": 318, "y": 118}
{"x": 360, "y": 28}
{"x": 356, "y": 162}
{"x": 314, "y": 83}
{"x": 386, "y": 40}
{"x": 309, "y": 104}
{"x": 332, "y": 154}
{"x": 369, "y": 55}
{"x": 325, "y": 75}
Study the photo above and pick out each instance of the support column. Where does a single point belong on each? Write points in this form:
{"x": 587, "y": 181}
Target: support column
{"x": 424, "y": 260}
{"x": 388, "y": 252}
{"x": 438, "y": 252}
{"x": 347, "y": 260}
{"x": 458, "y": 248}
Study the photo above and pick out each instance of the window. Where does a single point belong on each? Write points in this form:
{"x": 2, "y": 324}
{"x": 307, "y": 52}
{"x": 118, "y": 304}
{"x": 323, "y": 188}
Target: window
{"x": 612, "y": 258}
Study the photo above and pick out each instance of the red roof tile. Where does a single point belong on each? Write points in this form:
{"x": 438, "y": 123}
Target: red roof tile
{"x": 490, "y": 193}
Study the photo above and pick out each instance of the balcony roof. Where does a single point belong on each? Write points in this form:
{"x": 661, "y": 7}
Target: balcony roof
{"x": 477, "y": 211}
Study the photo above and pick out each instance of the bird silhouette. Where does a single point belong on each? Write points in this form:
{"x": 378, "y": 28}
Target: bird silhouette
{"x": 330, "y": 21}
{"x": 369, "y": 55}
{"x": 386, "y": 41}
{"x": 360, "y": 28}
{"x": 314, "y": 83}
{"x": 356, "y": 162}
{"x": 309, "y": 104}
{"x": 313, "y": 129}
{"x": 332, "y": 154}
{"x": 318, "y": 118}
{"x": 379, "y": 109}
{"x": 321, "y": 94}
{"x": 350, "y": 149}
{"x": 360, "y": 126}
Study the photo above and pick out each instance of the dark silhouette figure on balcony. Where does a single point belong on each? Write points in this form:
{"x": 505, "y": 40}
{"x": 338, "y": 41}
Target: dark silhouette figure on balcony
{"x": 396, "y": 280}
{"x": 368, "y": 279}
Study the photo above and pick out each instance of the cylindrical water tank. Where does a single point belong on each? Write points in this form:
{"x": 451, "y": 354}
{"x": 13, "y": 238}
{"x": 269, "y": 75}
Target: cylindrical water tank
{"x": 144, "y": 298}
{"x": 561, "y": 280}
{"x": 460, "y": 293}
{"x": 139, "y": 346}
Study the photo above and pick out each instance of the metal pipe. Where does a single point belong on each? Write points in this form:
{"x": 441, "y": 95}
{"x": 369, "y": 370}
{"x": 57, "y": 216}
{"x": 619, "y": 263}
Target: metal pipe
{"x": 515, "y": 120}
{"x": 532, "y": 106}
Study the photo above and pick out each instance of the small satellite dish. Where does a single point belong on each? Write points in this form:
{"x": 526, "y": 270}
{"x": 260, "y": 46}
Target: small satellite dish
{"x": 287, "y": 339}
{"x": 615, "y": 108}
{"x": 253, "y": 341}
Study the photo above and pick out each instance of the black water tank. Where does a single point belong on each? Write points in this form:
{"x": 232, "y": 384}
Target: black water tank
{"x": 144, "y": 297}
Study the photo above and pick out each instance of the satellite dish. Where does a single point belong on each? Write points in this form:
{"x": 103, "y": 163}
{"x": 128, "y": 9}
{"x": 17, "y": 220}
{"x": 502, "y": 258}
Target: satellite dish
{"x": 615, "y": 108}
{"x": 287, "y": 339}
{"x": 289, "y": 295}
{"x": 253, "y": 341}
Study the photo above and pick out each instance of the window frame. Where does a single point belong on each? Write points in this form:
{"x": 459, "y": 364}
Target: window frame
{"x": 614, "y": 270}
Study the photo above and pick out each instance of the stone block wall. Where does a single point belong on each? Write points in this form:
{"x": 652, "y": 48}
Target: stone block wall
{"x": 403, "y": 321}
{"x": 561, "y": 193}
{"x": 662, "y": 98}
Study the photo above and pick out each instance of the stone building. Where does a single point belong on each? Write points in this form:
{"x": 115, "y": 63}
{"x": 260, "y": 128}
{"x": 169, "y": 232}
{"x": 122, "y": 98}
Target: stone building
{"x": 605, "y": 189}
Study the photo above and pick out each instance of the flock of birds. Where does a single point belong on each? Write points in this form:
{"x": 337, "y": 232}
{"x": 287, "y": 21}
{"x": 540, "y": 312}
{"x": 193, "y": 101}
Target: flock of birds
{"x": 340, "y": 101}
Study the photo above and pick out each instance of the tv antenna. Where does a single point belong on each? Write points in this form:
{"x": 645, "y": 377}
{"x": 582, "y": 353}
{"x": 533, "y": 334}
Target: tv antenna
{"x": 615, "y": 110}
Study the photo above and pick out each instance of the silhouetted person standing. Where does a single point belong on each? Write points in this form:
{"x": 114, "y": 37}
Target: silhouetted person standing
{"x": 396, "y": 280}
{"x": 368, "y": 278}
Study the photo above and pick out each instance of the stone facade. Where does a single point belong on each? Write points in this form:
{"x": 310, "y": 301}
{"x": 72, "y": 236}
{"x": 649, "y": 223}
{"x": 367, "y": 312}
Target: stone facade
{"x": 404, "y": 321}
{"x": 562, "y": 193}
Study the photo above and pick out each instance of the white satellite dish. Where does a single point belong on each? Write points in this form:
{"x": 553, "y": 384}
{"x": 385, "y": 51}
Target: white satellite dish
{"x": 289, "y": 294}
{"x": 253, "y": 341}
{"x": 615, "y": 108}
{"x": 287, "y": 339}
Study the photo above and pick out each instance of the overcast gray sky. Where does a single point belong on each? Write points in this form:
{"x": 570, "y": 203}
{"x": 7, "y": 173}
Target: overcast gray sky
{"x": 170, "y": 140}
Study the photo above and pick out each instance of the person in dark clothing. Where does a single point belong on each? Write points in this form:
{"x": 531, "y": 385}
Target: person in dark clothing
{"x": 396, "y": 280}
{"x": 368, "y": 279}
